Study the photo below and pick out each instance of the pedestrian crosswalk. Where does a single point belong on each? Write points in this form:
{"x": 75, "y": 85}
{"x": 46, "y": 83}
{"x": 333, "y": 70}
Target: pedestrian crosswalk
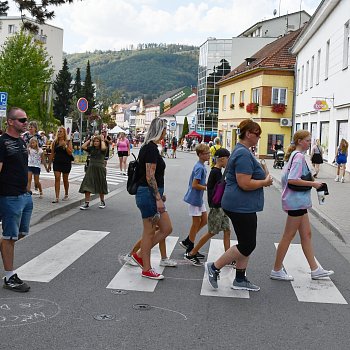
{"x": 114, "y": 176}
{"x": 52, "y": 262}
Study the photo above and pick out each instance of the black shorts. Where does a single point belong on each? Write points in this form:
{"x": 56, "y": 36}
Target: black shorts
{"x": 123, "y": 154}
{"x": 64, "y": 168}
{"x": 295, "y": 213}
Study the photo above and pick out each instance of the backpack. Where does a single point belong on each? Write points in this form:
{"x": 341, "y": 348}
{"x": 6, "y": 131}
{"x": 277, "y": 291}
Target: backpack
{"x": 133, "y": 174}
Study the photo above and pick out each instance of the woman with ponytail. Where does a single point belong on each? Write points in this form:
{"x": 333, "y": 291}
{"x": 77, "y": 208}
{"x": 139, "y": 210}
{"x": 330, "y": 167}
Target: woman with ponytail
{"x": 296, "y": 204}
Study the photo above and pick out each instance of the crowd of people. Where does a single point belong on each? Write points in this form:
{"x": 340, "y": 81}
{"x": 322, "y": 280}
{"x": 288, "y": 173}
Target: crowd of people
{"x": 235, "y": 195}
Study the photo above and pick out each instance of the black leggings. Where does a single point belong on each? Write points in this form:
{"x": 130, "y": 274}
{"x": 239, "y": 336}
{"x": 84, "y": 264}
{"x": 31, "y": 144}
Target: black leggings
{"x": 245, "y": 225}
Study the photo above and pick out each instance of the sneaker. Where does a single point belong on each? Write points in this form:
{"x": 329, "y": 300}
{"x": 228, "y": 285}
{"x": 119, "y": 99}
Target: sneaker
{"x": 168, "y": 262}
{"x": 35, "y": 192}
{"x": 213, "y": 275}
{"x": 16, "y": 284}
{"x": 281, "y": 275}
{"x": 84, "y": 206}
{"x": 321, "y": 273}
{"x": 129, "y": 260}
{"x": 200, "y": 255}
{"x": 184, "y": 244}
{"x": 137, "y": 259}
{"x": 102, "y": 205}
{"x": 336, "y": 179}
{"x": 342, "y": 179}
{"x": 193, "y": 259}
{"x": 232, "y": 264}
{"x": 245, "y": 285}
{"x": 152, "y": 275}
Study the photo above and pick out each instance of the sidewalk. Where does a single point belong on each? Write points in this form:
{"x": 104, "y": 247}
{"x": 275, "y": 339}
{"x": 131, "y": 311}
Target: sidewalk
{"x": 334, "y": 214}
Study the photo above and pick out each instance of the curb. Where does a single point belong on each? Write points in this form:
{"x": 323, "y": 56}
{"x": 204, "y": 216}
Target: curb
{"x": 330, "y": 224}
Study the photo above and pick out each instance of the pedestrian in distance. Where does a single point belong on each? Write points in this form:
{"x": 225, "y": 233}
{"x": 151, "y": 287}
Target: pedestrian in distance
{"x": 194, "y": 199}
{"x": 149, "y": 198}
{"x": 341, "y": 159}
{"x": 61, "y": 157}
{"x": 316, "y": 157}
{"x": 35, "y": 159}
{"x": 95, "y": 179}
{"x": 108, "y": 141}
{"x": 242, "y": 199}
{"x": 16, "y": 203}
{"x": 123, "y": 149}
{"x": 216, "y": 146}
{"x": 296, "y": 204}
{"x": 217, "y": 219}
{"x": 174, "y": 146}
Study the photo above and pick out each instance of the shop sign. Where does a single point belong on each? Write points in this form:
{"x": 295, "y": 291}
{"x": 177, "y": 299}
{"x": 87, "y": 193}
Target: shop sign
{"x": 321, "y": 105}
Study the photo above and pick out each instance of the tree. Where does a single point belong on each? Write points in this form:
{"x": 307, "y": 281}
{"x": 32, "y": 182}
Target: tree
{"x": 4, "y": 7}
{"x": 77, "y": 87}
{"x": 62, "y": 88}
{"x": 25, "y": 73}
{"x": 185, "y": 129}
{"x": 37, "y": 10}
{"x": 89, "y": 89}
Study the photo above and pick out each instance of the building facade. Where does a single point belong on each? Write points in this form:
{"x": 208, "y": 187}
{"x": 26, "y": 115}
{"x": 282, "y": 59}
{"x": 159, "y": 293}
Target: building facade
{"x": 322, "y": 102}
{"x": 50, "y": 36}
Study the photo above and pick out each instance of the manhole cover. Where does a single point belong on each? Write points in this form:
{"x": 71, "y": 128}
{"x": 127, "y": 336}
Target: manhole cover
{"x": 119, "y": 291}
{"x": 104, "y": 317}
{"x": 142, "y": 307}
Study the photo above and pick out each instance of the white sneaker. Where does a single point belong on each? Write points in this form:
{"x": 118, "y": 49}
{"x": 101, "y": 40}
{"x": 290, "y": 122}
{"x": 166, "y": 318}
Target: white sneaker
{"x": 281, "y": 275}
{"x": 321, "y": 273}
{"x": 129, "y": 260}
{"x": 342, "y": 179}
{"x": 336, "y": 179}
{"x": 35, "y": 192}
{"x": 168, "y": 262}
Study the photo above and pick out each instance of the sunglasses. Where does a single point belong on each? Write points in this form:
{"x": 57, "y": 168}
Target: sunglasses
{"x": 22, "y": 120}
{"x": 257, "y": 134}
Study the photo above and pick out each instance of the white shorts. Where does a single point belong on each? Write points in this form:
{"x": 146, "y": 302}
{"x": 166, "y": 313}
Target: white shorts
{"x": 196, "y": 211}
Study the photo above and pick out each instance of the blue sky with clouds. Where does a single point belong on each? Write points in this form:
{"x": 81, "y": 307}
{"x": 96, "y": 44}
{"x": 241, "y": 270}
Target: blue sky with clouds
{"x": 116, "y": 24}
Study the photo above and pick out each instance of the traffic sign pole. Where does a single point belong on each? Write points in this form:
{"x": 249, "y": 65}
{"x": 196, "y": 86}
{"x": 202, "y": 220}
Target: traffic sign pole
{"x": 82, "y": 105}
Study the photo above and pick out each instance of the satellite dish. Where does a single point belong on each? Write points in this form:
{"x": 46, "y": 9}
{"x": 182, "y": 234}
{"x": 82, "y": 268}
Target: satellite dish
{"x": 274, "y": 12}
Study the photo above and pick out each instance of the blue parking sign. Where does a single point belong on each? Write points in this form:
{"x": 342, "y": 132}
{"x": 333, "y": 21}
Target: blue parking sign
{"x": 3, "y": 103}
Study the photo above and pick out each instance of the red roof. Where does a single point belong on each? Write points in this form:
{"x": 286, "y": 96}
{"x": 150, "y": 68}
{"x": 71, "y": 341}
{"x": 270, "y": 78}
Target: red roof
{"x": 180, "y": 106}
{"x": 275, "y": 55}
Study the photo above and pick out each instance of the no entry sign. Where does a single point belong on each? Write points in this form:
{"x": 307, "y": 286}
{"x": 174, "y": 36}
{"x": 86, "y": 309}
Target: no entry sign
{"x": 82, "y": 104}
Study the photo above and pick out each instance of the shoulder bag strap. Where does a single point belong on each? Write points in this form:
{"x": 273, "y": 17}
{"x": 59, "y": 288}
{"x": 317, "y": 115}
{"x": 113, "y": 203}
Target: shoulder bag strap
{"x": 290, "y": 165}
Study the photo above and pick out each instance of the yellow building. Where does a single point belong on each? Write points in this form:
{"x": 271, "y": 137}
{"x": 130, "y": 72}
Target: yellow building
{"x": 261, "y": 88}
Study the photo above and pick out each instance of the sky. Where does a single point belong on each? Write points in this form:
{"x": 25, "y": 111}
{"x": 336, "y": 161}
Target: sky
{"x": 115, "y": 24}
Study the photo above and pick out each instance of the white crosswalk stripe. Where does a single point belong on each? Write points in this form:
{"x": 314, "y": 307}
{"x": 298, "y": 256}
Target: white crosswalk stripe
{"x": 114, "y": 176}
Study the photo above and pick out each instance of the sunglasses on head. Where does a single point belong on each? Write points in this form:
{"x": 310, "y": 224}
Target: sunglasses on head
{"x": 22, "y": 120}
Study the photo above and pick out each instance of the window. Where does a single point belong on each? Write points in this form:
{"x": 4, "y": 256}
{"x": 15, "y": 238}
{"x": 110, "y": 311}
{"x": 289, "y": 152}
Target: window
{"x": 256, "y": 95}
{"x": 232, "y": 99}
{"x": 312, "y": 72}
{"x": 297, "y": 88}
{"x": 318, "y": 67}
{"x": 324, "y": 135}
{"x": 307, "y": 75}
{"x": 12, "y": 29}
{"x": 302, "y": 80}
{"x": 241, "y": 97}
{"x": 305, "y": 126}
{"x": 224, "y": 102}
{"x": 346, "y": 45}
{"x": 279, "y": 95}
{"x": 272, "y": 140}
{"x": 326, "y": 69}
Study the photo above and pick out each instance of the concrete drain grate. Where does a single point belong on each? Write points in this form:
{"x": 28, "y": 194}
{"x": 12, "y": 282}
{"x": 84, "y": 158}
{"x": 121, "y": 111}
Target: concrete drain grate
{"x": 104, "y": 317}
{"x": 142, "y": 307}
{"x": 119, "y": 291}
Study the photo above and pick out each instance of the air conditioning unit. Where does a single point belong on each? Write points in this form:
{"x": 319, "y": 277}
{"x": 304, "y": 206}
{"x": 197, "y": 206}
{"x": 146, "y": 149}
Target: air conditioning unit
{"x": 285, "y": 122}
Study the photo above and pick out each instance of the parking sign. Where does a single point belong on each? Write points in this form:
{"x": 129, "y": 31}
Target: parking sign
{"x": 3, "y": 103}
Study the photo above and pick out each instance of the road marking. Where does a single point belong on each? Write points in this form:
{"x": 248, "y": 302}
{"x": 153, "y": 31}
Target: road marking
{"x": 53, "y": 261}
{"x": 227, "y": 274}
{"x": 129, "y": 277}
{"x": 306, "y": 289}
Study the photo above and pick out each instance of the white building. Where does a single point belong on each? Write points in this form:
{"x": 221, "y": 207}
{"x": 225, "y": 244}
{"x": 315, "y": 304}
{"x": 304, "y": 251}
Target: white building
{"x": 50, "y": 36}
{"x": 323, "y": 74}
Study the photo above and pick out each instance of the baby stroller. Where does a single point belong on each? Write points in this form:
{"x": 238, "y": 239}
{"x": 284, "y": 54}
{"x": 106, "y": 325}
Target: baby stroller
{"x": 279, "y": 159}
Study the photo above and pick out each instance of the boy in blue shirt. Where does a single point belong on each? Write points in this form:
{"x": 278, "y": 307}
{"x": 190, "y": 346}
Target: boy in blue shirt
{"x": 194, "y": 199}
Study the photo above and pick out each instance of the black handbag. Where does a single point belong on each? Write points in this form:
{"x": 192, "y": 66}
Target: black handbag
{"x": 307, "y": 177}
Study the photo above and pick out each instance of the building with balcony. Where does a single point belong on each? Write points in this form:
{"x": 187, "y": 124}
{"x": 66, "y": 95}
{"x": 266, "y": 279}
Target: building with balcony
{"x": 261, "y": 88}
{"x": 322, "y": 101}
{"x": 50, "y": 36}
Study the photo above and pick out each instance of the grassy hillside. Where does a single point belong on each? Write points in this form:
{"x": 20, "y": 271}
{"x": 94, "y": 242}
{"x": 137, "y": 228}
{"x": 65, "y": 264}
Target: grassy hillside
{"x": 147, "y": 72}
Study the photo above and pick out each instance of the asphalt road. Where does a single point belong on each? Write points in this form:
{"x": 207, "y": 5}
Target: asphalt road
{"x": 63, "y": 313}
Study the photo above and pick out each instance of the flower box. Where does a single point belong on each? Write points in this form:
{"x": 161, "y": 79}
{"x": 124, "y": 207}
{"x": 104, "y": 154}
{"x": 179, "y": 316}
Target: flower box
{"x": 252, "y": 108}
{"x": 241, "y": 104}
{"x": 278, "y": 108}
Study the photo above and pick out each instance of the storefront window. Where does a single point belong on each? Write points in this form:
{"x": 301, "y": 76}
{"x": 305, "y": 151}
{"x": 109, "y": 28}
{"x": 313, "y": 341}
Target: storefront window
{"x": 324, "y": 138}
{"x": 342, "y": 130}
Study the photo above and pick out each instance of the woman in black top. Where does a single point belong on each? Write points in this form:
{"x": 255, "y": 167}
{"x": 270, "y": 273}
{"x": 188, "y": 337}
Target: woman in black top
{"x": 149, "y": 198}
{"x": 61, "y": 157}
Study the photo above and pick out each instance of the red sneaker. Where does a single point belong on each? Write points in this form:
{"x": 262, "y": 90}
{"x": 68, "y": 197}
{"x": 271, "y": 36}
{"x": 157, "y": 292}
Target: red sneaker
{"x": 152, "y": 275}
{"x": 137, "y": 259}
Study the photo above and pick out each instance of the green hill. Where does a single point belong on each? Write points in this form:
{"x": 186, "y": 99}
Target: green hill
{"x": 146, "y": 72}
